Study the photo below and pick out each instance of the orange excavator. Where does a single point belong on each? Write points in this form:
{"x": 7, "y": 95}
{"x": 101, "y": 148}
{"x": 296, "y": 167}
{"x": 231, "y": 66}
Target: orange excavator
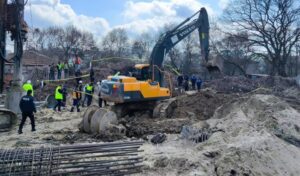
{"x": 145, "y": 89}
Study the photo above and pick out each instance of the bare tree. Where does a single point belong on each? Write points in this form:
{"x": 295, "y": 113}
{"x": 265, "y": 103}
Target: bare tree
{"x": 272, "y": 27}
{"x": 60, "y": 42}
{"x": 138, "y": 48}
{"x": 115, "y": 43}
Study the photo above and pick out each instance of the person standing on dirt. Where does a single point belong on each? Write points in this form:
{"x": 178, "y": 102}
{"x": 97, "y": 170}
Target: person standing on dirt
{"x": 199, "y": 83}
{"x": 78, "y": 76}
{"x": 85, "y": 94}
{"x": 186, "y": 85}
{"x": 65, "y": 94}
{"x": 52, "y": 72}
{"x": 27, "y": 107}
{"x": 59, "y": 68}
{"x": 179, "y": 80}
{"x": 92, "y": 74}
{"x": 76, "y": 95}
{"x": 58, "y": 98}
{"x": 193, "y": 80}
{"x": 66, "y": 70}
{"x": 100, "y": 100}
{"x": 89, "y": 93}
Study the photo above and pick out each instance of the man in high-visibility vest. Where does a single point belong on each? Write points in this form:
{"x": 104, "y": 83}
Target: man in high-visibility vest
{"x": 28, "y": 86}
{"x": 76, "y": 95}
{"x": 59, "y": 68}
{"x": 58, "y": 97}
{"x": 89, "y": 91}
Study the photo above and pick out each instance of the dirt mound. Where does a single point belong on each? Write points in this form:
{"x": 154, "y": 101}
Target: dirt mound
{"x": 259, "y": 135}
{"x": 243, "y": 84}
{"x": 190, "y": 109}
{"x": 201, "y": 105}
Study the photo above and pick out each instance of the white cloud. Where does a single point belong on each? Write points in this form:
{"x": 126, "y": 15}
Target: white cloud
{"x": 139, "y": 17}
{"x": 53, "y": 12}
{"x": 223, "y": 3}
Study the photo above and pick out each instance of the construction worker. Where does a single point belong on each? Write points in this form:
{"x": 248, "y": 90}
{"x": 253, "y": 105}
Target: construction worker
{"x": 27, "y": 107}
{"x": 76, "y": 95}
{"x": 85, "y": 94}
{"x": 65, "y": 94}
{"x": 92, "y": 74}
{"x": 179, "y": 80}
{"x": 100, "y": 100}
{"x": 89, "y": 95}
{"x": 186, "y": 85}
{"x": 66, "y": 69}
{"x": 58, "y": 97}
{"x": 52, "y": 72}
{"x": 199, "y": 83}
{"x": 193, "y": 80}
{"x": 59, "y": 68}
{"x": 28, "y": 86}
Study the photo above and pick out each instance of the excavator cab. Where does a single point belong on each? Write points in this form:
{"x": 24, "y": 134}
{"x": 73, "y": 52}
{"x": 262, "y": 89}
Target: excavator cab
{"x": 141, "y": 72}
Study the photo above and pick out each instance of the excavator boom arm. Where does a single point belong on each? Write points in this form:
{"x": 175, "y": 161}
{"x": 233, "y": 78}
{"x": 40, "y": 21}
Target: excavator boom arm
{"x": 174, "y": 36}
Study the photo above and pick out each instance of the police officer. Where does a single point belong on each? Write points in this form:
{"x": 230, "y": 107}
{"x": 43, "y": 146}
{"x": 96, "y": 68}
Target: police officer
{"x": 58, "y": 97}
{"x": 28, "y": 86}
{"x": 27, "y": 107}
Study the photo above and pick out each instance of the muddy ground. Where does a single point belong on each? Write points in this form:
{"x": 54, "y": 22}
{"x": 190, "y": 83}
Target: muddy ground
{"x": 257, "y": 132}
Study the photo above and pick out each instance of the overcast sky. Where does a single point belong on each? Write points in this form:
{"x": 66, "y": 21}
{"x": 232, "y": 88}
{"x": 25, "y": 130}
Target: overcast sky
{"x": 100, "y": 16}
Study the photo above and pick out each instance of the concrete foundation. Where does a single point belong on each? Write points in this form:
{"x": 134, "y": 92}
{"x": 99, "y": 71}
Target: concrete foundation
{"x": 13, "y": 100}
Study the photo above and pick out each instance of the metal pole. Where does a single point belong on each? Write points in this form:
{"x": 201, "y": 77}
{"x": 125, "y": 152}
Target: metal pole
{"x": 15, "y": 93}
{"x": 2, "y": 41}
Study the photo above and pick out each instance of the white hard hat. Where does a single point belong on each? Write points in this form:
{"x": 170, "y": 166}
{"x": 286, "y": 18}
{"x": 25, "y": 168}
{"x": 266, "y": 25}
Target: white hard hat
{"x": 80, "y": 82}
{"x": 28, "y": 81}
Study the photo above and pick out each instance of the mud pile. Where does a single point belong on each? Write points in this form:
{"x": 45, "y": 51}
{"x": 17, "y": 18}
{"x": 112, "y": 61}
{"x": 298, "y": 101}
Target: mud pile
{"x": 243, "y": 84}
{"x": 191, "y": 109}
{"x": 259, "y": 136}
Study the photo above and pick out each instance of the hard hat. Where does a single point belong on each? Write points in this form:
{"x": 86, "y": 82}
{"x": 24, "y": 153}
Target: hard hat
{"x": 80, "y": 82}
{"x": 29, "y": 82}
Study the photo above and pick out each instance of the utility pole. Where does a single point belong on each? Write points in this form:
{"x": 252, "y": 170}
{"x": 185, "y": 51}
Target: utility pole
{"x": 3, "y": 4}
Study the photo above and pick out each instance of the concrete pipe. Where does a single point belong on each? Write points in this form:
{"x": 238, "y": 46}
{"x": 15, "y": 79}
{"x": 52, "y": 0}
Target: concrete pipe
{"x": 50, "y": 101}
{"x": 102, "y": 120}
{"x": 96, "y": 120}
{"x": 108, "y": 119}
{"x": 87, "y": 116}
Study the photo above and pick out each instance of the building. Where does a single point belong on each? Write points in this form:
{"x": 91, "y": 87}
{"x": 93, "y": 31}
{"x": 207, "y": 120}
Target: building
{"x": 31, "y": 63}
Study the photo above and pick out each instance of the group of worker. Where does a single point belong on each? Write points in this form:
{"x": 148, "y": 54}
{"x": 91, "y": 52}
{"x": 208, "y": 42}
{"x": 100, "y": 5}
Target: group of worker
{"x": 81, "y": 95}
{"x": 64, "y": 69}
{"x": 184, "y": 82}
{"x": 28, "y": 108}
